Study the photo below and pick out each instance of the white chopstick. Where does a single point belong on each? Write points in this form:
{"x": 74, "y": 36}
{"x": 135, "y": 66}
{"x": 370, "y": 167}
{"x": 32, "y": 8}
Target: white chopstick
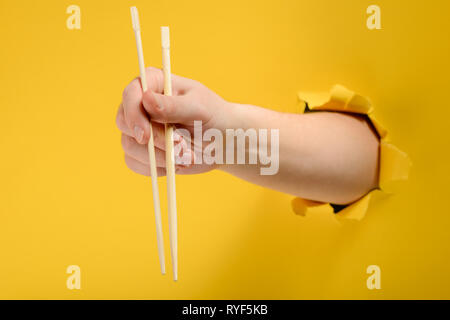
{"x": 170, "y": 157}
{"x": 151, "y": 145}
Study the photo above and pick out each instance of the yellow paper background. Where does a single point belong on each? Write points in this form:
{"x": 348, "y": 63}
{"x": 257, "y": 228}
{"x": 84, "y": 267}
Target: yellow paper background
{"x": 66, "y": 196}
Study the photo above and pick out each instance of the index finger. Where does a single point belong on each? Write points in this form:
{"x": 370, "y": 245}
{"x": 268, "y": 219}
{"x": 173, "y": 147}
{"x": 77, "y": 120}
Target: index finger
{"x": 136, "y": 116}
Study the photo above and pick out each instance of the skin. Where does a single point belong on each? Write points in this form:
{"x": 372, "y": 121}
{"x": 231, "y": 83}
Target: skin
{"x": 323, "y": 156}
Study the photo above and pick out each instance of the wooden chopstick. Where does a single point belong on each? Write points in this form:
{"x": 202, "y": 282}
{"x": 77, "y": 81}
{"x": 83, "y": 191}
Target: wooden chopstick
{"x": 170, "y": 157}
{"x": 151, "y": 145}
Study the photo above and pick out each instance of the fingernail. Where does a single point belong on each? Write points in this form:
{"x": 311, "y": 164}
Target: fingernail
{"x": 138, "y": 134}
{"x": 176, "y": 136}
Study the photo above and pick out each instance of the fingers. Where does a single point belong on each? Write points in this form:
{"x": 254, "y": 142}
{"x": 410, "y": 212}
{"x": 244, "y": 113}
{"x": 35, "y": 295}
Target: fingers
{"x": 142, "y": 168}
{"x": 158, "y": 130}
{"x": 140, "y": 152}
{"x": 135, "y": 117}
{"x": 121, "y": 124}
{"x": 159, "y": 136}
{"x": 171, "y": 109}
{"x": 183, "y": 153}
{"x": 134, "y": 114}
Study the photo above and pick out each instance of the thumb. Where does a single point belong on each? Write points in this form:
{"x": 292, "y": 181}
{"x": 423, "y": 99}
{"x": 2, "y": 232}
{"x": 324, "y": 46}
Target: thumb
{"x": 170, "y": 109}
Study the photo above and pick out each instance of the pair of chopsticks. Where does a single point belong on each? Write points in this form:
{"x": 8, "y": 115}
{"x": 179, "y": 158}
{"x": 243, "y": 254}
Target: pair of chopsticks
{"x": 170, "y": 158}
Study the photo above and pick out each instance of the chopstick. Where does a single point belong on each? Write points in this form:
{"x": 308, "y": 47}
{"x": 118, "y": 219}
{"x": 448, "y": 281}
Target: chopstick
{"x": 151, "y": 145}
{"x": 170, "y": 157}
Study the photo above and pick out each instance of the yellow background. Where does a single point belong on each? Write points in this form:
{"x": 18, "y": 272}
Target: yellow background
{"x": 66, "y": 196}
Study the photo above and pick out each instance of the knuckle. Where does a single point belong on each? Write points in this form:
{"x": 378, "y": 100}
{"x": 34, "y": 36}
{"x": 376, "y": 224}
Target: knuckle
{"x": 129, "y": 163}
{"x": 125, "y": 92}
{"x": 168, "y": 108}
{"x": 132, "y": 88}
{"x": 155, "y": 78}
{"x": 169, "y": 104}
{"x": 151, "y": 69}
{"x": 126, "y": 143}
{"x": 120, "y": 120}
{"x": 153, "y": 72}
{"x": 198, "y": 84}
{"x": 163, "y": 115}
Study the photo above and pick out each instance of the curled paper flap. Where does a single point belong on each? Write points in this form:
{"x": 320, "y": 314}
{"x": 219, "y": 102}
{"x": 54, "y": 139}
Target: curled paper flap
{"x": 394, "y": 167}
{"x": 301, "y": 206}
{"x": 339, "y": 99}
{"x": 357, "y": 210}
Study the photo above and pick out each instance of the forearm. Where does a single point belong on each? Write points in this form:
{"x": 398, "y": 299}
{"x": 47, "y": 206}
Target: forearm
{"x": 324, "y": 156}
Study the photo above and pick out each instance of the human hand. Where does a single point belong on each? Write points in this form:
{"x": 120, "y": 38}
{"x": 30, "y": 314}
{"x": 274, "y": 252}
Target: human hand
{"x": 321, "y": 156}
{"x": 191, "y": 101}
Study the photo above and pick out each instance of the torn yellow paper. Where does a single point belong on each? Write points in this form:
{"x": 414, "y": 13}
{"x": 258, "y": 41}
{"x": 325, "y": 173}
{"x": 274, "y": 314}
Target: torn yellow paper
{"x": 357, "y": 210}
{"x": 394, "y": 167}
{"x": 339, "y": 99}
{"x": 394, "y": 163}
{"x": 300, "y": 206}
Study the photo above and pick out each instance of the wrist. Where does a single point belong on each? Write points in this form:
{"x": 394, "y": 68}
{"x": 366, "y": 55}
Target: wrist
{"x": 241, "y": 134}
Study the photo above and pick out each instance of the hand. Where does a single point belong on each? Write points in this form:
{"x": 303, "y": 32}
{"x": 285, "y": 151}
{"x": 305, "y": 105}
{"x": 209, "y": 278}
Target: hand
{"x": 321, "y": 156}
{"x": 191, "y": 101}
